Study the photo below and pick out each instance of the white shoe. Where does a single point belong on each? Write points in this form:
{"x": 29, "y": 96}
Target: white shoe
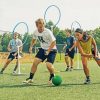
{"x": 71, "y": 68}
{"x": 49, "y": 82}
{"x": 28, "y": 81}
{"x": 87, "y": 81}
{"x": 14, "y": 72}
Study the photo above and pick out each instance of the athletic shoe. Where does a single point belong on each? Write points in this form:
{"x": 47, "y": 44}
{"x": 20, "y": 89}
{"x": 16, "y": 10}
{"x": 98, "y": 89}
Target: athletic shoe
{"x": 49, "y": 82}
{"x": 14, "y": 72}
{"x": 28, "y": 81}
{"x": 67, "y": 69}
{"x": 71, "y": 68}
{"x": 87, "y": 81}
{"x": 1, "y": 72}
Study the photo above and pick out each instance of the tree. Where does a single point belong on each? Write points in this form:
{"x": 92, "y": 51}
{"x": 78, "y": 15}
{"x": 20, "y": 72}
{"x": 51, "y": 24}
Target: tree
{"x": 60, "y": 37}
{"x": 97, "y": 37}
{"x": 26, "y": 40}
{"x": 5, "y": 40}
{"x": 0, "y": 43}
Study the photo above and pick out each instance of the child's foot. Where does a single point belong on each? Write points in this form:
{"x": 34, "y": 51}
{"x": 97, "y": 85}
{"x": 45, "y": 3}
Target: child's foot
{"x": 87, "y": 81}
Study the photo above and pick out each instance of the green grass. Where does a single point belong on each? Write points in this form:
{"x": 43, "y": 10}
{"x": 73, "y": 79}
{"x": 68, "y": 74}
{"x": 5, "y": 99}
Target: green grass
{"x": 72, "y": 88}
{"x": 60, "y": 57}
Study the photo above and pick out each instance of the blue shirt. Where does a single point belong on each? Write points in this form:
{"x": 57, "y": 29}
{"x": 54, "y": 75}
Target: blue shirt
{"x": 14, "y": 44}
{"x": 70, "y": 41}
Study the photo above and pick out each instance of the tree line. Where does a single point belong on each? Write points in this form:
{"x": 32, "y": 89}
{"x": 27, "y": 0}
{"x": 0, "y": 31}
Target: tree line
{"x": 58, "y": 33}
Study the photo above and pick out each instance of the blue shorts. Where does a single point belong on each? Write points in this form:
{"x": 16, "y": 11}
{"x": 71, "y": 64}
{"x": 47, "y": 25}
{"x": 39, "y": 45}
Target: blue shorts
{"x": 50, "y": 57}
{"x": 70, "y": 53}
{"x": 11, "y": 56}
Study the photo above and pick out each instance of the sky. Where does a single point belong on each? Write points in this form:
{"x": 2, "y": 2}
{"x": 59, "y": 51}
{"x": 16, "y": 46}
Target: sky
{"x": 86, "y": 12}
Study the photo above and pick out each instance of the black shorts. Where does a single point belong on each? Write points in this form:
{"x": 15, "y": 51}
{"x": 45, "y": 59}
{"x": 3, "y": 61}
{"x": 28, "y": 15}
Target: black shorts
{"x": 50, "y": 57}
{"x": 11, "y": 56}
{"x": 70, "y": 53}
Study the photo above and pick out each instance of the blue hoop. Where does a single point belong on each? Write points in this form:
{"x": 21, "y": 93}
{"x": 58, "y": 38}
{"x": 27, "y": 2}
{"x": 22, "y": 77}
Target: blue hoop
{"x": 73, "y": 24}
{"x": 27, "y": 29}
{"x": 49, "y": 8}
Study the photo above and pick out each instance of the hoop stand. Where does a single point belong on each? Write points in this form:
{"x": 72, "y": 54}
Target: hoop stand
{"x": 78, "y": 62}
{"x": 19, "y": 70}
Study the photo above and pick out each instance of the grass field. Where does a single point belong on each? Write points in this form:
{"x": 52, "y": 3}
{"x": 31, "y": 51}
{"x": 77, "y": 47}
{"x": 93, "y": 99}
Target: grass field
{"x": 72, "y": 87}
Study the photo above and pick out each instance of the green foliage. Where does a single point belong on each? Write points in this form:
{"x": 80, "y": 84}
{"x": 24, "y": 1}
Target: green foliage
{"x": 0, "y": 47}
{"x": 5, "y": 40}
{"x": 49, "y": 25}
{"x": 58, "y": 33}
{"x": 96, "y": 34}
{"x": 60, "y": 37}
{"x": 0, "y": 43}
{"x": 27, "y": 39}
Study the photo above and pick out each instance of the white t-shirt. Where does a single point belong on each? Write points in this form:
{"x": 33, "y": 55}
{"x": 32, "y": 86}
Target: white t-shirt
{"x": 45, "y": 38}
{"x": 14, "y": 44}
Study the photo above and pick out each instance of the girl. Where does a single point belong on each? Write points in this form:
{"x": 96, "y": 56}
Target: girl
{"x": 85, "y": 43}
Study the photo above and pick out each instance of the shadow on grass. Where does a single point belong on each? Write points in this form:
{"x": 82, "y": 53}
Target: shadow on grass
{"x": 65, "y": 85}
{"x": 20, "y": 85}
{"x": 34, "y": 85}
{"x": 13, "y": 75}
{"x": 46, "y": 85}
{"x": 72, "y": 84}
{"x": 71, "y": 71}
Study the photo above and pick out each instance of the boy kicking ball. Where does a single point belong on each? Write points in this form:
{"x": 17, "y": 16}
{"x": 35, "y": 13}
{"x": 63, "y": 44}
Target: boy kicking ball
{"x": 47, "y": 51}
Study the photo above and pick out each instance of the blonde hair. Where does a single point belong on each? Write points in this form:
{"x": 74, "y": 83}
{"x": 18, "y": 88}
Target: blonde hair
{"x": 40, "y": 20}
{"x": 16, "y": 33}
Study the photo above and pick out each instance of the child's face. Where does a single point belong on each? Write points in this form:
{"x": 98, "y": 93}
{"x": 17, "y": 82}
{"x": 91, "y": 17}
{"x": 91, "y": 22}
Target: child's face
{"x": 78, "y": 36}
{"x": 15, "y": 35}
{"x": 40, "y": 26}
{"x": 67, "y": 34}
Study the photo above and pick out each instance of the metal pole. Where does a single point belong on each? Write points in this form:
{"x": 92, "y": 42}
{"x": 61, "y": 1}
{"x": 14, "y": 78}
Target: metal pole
{"x": 18, "y": 62}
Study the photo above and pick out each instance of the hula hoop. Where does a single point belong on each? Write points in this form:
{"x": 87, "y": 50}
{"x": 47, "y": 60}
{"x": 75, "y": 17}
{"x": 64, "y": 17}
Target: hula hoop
{"x": 48, "y": 9}
{"x": 73, "y": 25}
{"x": 27, "y": 30}
{"x": 75, "y": 22}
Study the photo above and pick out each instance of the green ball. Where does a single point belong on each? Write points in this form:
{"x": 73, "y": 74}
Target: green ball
{"x": 56, "y": 80}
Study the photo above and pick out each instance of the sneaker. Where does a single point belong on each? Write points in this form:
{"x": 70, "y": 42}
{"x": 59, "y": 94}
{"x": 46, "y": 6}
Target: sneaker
{"x": 71, "y": 68}
{"x": 1, "y": 72}
{"x": 28, "y": 81}
{"x": 87, "y": 81}
{"x": 14, "y": 72}
{"x": 67, "y": 69}
{"x": 49, "y": 82}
